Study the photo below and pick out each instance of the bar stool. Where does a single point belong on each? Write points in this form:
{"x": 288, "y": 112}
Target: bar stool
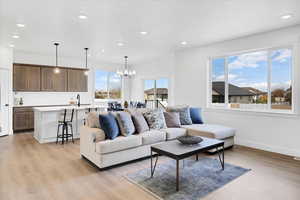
{"x": 65, "y": 123}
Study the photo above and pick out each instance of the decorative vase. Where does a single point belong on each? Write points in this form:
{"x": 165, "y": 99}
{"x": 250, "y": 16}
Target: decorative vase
{"x": 125, "y": 104}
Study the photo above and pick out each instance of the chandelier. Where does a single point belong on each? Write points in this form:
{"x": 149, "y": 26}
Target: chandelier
{"x": 126, "y": 72}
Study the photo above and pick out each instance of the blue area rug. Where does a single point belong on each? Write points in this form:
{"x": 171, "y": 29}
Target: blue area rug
{"x": 197, "y": 178}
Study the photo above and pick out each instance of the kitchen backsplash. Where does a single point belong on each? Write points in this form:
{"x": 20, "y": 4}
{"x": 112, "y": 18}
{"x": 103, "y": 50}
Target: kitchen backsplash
{"x": 51, "y": 98}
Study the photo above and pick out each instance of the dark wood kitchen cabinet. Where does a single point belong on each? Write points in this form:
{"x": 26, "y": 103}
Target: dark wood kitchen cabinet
{"x": 53, "y": 82}
{"x": 23, "y": 119}
{"x": 77, "y": 81}
{"x": 37, "y": 78}
{"x": 26, "y": 78}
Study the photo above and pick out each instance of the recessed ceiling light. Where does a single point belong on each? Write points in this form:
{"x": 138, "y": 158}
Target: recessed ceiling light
{"x": 89, "y": 55}
{"x": 143, "y": 33}
{"x": 183, "y": 42}
{"x": 11, "y": 45}
{"x": 15, "y": 36}
{"x": 102, "y": 50}
{"x": 20, "y": 25}
{"x": 286, "y": 16}
{"x": 120, "y": 44}
{"x": 82, "y": 16}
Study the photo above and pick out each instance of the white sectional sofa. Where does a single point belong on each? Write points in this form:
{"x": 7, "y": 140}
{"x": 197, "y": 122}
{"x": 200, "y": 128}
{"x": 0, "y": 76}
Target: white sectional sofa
{"x": 105, "y": 153}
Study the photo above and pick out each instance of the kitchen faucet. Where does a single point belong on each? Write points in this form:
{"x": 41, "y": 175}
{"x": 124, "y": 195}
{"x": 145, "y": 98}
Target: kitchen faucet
{"x": 78, "y": 100}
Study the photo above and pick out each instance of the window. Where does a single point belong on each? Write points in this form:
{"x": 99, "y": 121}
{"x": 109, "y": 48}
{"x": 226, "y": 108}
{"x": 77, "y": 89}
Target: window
{"x": 259, "y": 80}
{"x": 156, "y": 92}
{"x": 108, "y": 85}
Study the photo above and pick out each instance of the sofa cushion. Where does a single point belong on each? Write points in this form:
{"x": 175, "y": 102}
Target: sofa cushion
{"x": 172, "y": 119}
{"x": 210, "y": 130}
{"x": 184, "y": 114}
{"x": 118, "y": 144}
{"x": 140, "y": 123}
{"x": 109, "y": 125}
{"x": 92, "y": 120}
{"x": 155, "y": 119}
{"x": 125, "y": 123}
{"x": 173, "y": 133}
{"x": 153, "y": 136}
{"x": 196, "y": 115}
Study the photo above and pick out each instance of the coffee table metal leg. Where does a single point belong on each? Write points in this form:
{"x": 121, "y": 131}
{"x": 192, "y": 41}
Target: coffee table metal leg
{"x": 177, "y": 175}
{"x": 197, "y": 157}
{"x": 222, "y": 161}
{"x": 153, "y": 167}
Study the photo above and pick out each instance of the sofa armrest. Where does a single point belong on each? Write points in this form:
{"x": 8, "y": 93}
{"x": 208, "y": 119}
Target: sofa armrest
{"x": 92, "y": 135}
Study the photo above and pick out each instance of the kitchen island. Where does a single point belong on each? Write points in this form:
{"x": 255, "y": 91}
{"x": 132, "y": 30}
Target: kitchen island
{"x": 46, "y": 120}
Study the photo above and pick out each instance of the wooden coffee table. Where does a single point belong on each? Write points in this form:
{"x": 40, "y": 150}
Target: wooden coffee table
{"x": 174, "y": 149}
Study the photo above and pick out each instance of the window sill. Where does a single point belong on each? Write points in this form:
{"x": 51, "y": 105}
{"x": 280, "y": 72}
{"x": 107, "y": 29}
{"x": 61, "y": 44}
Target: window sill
{"x": 279, "y": 113}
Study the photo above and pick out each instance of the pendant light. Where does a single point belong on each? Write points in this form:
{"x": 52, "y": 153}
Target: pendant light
{"x": 86, "y": 56}
{"x": 126, "y": 72}
{"x": 56, "y": 70}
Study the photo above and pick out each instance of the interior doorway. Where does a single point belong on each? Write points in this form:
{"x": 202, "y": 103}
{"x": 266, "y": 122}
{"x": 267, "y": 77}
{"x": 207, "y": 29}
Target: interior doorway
{"x": 4, "y": 102}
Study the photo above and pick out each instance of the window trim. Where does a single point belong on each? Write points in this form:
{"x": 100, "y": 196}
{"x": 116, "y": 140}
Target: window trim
{"x": 226, "y": 105}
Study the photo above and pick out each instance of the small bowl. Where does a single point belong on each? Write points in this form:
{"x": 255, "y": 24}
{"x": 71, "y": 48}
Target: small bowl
{"x": 190, "y": 140}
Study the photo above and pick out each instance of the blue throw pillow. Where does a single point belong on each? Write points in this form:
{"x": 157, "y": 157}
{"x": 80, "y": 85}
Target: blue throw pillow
{"x": 196, "y": 115}
{"x": 109, "y": 125}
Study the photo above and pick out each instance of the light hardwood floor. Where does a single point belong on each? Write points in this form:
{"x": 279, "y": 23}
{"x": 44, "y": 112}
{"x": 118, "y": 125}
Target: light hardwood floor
{"x": 33, "y": 171}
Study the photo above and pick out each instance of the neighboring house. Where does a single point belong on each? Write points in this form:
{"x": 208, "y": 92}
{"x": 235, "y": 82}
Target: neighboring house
{"x": 161, "y": 93}
{"x": 258, "y": 94}
{"x": 236, "y": 94}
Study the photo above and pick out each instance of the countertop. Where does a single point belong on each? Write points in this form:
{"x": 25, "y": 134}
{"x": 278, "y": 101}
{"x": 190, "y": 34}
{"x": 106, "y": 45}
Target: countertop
{"x": 59, "y": 108}
{"x": 24, "y": 106}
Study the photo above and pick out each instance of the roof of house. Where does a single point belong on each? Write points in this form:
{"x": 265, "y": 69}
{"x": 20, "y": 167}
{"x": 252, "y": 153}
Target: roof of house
{"x": 159, "y": 91}
{"x": 219, "y": 87}
{"x": 254, "y": 90}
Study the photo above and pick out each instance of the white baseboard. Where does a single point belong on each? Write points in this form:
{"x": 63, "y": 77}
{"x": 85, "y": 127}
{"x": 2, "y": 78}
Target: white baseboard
{"x": 275, "y": 149}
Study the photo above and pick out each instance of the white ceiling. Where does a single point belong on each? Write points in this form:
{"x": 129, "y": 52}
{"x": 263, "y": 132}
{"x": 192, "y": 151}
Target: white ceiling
{"x": 168, "y": 22}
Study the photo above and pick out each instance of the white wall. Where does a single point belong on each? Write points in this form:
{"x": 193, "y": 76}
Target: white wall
{"x": 162, "y": 67}
{"x": 6, "y": 59}
{"x": 59, "y": 98}
{"x": 272, "y": 132}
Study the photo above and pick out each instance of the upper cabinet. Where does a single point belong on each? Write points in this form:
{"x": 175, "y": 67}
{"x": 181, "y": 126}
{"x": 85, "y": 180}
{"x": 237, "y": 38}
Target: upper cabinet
{"x": 77, "y": 81}
{"x": 54, "y": 82}
{"x": 35, "y": 78}
{"x": 26, "y": 78}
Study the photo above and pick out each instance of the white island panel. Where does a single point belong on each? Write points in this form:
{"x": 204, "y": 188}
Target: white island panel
{"x": 46, "y": 121}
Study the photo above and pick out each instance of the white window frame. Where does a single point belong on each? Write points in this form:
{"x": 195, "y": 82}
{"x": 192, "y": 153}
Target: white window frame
{"x": 226, "y": 105}
{"x": 107, "y": 87}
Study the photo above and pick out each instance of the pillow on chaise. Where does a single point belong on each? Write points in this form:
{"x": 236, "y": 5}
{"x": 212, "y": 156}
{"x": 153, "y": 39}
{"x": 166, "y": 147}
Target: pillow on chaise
{"x": 155, "y": 119}
{"x": 196, "y": 115}
{"x": 172, "y": 119}
{"x": 184, "y": 114}
{"x": 125, "y": 123}
{"x": 109, "y": 125}
{"x": 140, "y": 122}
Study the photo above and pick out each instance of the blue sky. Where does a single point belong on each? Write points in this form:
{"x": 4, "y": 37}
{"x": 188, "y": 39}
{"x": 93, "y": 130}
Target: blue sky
{"x": 160, "y": 83}
{"x": 101, "y": 80}
{"x": 251, "y": 69}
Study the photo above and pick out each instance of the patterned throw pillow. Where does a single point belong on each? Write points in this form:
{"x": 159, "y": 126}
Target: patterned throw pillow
{"x": 184, "y": 114}
{"x": 125, "y": 123}
{"x": 155, "y": 119}
{"x": 172, "y": 119}
{"x": 140, "y": 122}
